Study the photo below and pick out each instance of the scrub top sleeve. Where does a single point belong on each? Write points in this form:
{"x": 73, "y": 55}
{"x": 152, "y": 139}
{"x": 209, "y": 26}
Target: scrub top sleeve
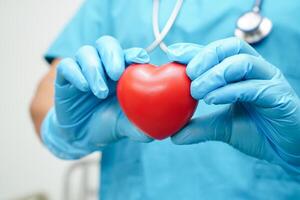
{"x": 88, "y": 24}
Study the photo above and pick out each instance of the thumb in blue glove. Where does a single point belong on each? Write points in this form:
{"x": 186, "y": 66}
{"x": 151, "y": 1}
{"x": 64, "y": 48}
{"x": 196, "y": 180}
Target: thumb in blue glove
{"x": 262, "y": 118}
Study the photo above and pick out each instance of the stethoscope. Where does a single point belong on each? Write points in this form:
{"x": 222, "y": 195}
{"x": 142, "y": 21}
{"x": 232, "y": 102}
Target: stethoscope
{"x": 251, "y": 26}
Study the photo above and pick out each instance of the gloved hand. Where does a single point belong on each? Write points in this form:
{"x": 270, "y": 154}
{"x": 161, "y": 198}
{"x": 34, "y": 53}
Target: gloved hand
{"x": 86, "y": 115}
{"x": 263, "y": 114}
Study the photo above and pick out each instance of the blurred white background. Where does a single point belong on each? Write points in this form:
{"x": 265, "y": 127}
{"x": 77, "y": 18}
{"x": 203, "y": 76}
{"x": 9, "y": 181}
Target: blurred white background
{"x": 27, "y": 28}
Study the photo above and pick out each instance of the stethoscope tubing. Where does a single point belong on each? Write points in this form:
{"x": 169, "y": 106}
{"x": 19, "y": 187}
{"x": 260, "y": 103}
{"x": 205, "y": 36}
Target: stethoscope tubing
{"x": 159, "y": 36}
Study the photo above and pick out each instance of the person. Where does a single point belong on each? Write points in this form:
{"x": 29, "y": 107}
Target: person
{"x": 248, "y": 110}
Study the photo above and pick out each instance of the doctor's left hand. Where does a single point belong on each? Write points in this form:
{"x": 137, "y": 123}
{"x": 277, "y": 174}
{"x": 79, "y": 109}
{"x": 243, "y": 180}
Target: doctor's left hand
{"x": 262, "y": 118}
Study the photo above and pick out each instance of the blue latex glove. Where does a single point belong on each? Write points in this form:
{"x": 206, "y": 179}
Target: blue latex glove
{"x": 86, "y": 115}
{"x": 263, "y": 114}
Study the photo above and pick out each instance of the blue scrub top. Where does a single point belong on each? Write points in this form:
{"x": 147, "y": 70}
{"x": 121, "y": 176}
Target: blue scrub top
{"x": 211, "y": 170}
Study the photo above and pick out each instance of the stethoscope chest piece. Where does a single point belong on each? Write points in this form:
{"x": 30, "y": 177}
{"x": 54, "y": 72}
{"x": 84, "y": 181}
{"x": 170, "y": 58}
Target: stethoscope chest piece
{"x": 252, "y": 27}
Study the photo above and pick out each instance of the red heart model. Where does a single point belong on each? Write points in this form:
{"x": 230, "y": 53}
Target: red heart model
{"x": 156, "y": 99}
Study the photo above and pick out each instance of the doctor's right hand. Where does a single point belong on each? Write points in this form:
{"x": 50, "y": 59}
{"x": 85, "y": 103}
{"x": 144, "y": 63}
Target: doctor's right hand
{"x": 86, "y": 115}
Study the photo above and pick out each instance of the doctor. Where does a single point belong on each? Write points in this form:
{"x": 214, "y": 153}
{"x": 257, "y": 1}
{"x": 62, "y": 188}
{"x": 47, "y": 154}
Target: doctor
{"x": 248, "y": 109}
